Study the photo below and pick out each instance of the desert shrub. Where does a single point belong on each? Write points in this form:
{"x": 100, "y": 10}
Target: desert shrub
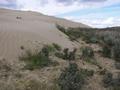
{"x": 90, "y": 37}
{"x": 107, "y": 79}
{"x": 73, "y": 78}
{"x": 66, "y": 54}
{"x": 117, "y": 65}
{"x": 38, "y": 59}
{"x": 48, "y": 48}
{"x": 108, "y": 40}
{"x": 102, "y": 72}
{"x": 106, "y": 51}
{"x": 87, "y": 53}
{"x": 86, "y": 72}
{"x": 57, "y": 47}
{"x": 111, "y": 82}
{"x": 73, "y": 34}
{"x": 116, "y": 51}
{"x": 72, "y": 54}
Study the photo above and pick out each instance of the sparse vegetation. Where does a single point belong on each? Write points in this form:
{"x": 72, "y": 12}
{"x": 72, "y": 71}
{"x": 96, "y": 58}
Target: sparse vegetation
{"x": 108, "y": 38}
{"x": 74, "y": 34}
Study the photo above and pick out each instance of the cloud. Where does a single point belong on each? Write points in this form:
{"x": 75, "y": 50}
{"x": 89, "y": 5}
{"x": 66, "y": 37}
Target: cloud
{"x": 93, "y": 0}
{"x": 97, "y": 22}
{"x": 55, "y": 7}
{"x": 62, "y": 7}
{"x": 8, "y": 3}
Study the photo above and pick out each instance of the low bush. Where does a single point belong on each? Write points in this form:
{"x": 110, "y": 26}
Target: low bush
{"x": 73, "y": 78}
{"x": 116, "y": 51}
{"x": 117, "y": 65}
{"x": 107, "y": 79}
{"x": 106, "y": 51}
{"x": 66, "y": 54}
{"x": 87, "y": 52}
{"x": 38, "y": 59}
{"x": 111, "y": 82}
{"x": 88, "y": 55}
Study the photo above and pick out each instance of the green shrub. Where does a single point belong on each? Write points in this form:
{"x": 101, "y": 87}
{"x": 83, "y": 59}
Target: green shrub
{"x": 117, "y": 65}
{"x": 90, "y": 38}
{"x": 107, "y": 79}
{"x": 106, "y": 51}
{"x": 37, "y": 60}
{"x": 87, "y": 53}
{"x": 111, "y": 82}
{"x": 73, "y": 78}
{"x": 116, "y": 51}
{"x": 72, "y": 54}
{"x": 66, "y": 53}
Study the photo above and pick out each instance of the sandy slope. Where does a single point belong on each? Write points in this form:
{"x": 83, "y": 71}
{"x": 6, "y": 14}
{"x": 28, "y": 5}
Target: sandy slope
{"x": 32, "y": 30}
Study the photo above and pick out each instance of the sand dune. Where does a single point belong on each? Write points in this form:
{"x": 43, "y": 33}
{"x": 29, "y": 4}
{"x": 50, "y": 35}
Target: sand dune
{"x": 30, "y": 30}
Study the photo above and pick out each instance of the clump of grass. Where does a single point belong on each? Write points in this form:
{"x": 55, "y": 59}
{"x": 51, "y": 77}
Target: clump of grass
{"x": 73, "y": 78}
{"x": 39, "y": 59}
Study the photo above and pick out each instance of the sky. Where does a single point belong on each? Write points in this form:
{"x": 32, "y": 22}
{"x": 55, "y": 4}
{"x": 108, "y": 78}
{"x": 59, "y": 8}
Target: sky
{"x": 95, "y": 13}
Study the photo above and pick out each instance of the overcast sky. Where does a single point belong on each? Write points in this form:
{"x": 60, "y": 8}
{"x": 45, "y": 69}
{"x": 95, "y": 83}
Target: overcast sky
{"x": 96, "y": 13}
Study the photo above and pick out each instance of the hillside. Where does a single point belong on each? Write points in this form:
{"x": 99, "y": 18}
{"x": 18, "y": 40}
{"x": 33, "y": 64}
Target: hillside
{"x": 39, "y": 52}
